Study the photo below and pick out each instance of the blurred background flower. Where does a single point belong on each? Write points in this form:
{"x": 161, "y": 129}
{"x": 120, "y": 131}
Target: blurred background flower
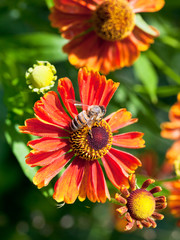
{"x": 104, "y": 35}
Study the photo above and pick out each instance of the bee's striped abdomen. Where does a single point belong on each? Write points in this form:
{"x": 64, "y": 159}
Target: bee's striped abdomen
{"x": 79, "y": 121}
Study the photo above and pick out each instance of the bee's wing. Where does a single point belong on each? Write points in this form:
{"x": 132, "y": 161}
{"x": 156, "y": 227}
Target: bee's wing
{"x": 77, "y": 103}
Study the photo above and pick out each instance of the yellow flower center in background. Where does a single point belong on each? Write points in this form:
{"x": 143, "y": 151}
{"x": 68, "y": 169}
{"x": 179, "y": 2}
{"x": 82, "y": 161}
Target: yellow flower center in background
{"x": 141, "y": 204}
{"x": 113, "y": 20}
{"x": 92, "y": 144}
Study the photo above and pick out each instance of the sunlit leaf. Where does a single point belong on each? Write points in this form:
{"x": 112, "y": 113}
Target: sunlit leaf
{"x": 146, "y": 73}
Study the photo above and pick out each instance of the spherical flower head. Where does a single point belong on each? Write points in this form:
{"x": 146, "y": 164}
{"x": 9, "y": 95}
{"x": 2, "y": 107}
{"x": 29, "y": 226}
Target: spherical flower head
{"x": 41, "y": 76}
{"x": 140, "y": 204}
{"x": 84, "y": 140}
{"x": 104, "y": 34}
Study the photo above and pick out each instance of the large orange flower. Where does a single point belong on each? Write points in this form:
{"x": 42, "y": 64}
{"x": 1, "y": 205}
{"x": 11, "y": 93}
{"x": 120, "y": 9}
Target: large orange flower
{"x": 59, "y": 144}
{"x": 104, "y": 34}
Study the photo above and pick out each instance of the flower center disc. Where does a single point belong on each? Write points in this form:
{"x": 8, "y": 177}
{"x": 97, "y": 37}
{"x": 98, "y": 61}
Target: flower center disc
{"x": 92, "y": 144}
{"x": 113, "y": 20}
{"x": 141, "y": 204}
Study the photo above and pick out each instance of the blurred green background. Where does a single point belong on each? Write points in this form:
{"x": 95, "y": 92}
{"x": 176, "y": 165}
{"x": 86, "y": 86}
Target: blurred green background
{"x": 147, "y": 89}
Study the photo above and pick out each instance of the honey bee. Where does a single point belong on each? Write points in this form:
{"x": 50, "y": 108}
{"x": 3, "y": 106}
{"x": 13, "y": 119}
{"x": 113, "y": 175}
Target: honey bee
{"x": 87, "y": 117}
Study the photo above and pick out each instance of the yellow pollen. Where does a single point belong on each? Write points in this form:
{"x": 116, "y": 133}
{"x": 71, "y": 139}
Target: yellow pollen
{"x": 141, "y": 204}
{"x": 94, "y": 143}
{"x": 113, "y": 20}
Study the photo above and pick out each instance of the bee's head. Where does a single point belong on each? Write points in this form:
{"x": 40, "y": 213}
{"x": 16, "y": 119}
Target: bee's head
{"x": 103, "y": 110}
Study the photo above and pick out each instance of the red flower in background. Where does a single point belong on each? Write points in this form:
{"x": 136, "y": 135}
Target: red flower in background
{"x": 59, "y": 145}
{"x": 104, "y": 34}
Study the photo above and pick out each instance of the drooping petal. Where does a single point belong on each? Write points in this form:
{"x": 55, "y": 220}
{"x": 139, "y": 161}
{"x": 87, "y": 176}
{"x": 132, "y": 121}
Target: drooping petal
{"x": 142, "y": 39}
{"x": 83, "y": 50}
{"x": 100, "y": 90}
{"x": 128, "y": 162}
{"x": 115, "y": 172}
{"x": 129, "y": 140}
{"x": 74, "y": 6}
{"x": 93, "y": 185}
{"x": 49, "y": 110}
{"x": 126, "y": 53}
{"x": 45, "y": 174}
{"x": 120, "y": 119}
{"x": 35, "y": 158}
{"x": 146, "y": 5}
{"x": 48, "y": 144}
{"x": 98, "y": 182}
{"x": 66, "y": 91}
{"x": 36, "y": 127}
{"x": 70, "y": 25}
{"x": 67, "y": 187}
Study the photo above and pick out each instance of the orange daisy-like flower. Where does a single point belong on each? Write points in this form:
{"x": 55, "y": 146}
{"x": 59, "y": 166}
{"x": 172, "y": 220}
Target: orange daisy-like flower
{"x": 104, "y": 34}
{"x": 84, "y": 146}
{"x": 174, "y": 199}
{"x": 140, "y": 204}
{"x": 171, "y": 130}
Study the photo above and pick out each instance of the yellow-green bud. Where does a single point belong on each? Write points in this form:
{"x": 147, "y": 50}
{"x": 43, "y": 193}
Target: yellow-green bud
{"x": 41, "y": 76}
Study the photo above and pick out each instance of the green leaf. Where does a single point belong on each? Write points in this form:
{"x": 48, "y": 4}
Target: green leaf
{"x": 50, "y": 3}
{"x": 18, "y": 141}
{"x": 33, "y": 46}
{"x": 146, "y": 73}
{"x": 163, "y": 66}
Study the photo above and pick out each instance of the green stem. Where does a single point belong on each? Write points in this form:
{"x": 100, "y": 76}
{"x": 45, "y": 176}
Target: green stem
{"x": 169, "y": 179}
{"x": 163, "y": 66}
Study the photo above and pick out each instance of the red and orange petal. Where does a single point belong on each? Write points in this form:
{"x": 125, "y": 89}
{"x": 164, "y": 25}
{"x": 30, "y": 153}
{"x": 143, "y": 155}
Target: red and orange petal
{"x": 142, "y": 39}
{"x": 100, "y": 90}
{"x": 66, "y": 91}
{"x": 118, "y": 165}
{"x": 38, "y": 128}
{"x": 81, "y": 178}
{"x": 49, "y": 104}
{"x": 129, "y": 140}
{"x": 120, "y": 119}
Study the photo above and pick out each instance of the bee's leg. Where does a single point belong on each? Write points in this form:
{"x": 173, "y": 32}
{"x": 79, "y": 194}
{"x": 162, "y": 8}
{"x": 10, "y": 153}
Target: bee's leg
{"x": 90, "y": 132}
